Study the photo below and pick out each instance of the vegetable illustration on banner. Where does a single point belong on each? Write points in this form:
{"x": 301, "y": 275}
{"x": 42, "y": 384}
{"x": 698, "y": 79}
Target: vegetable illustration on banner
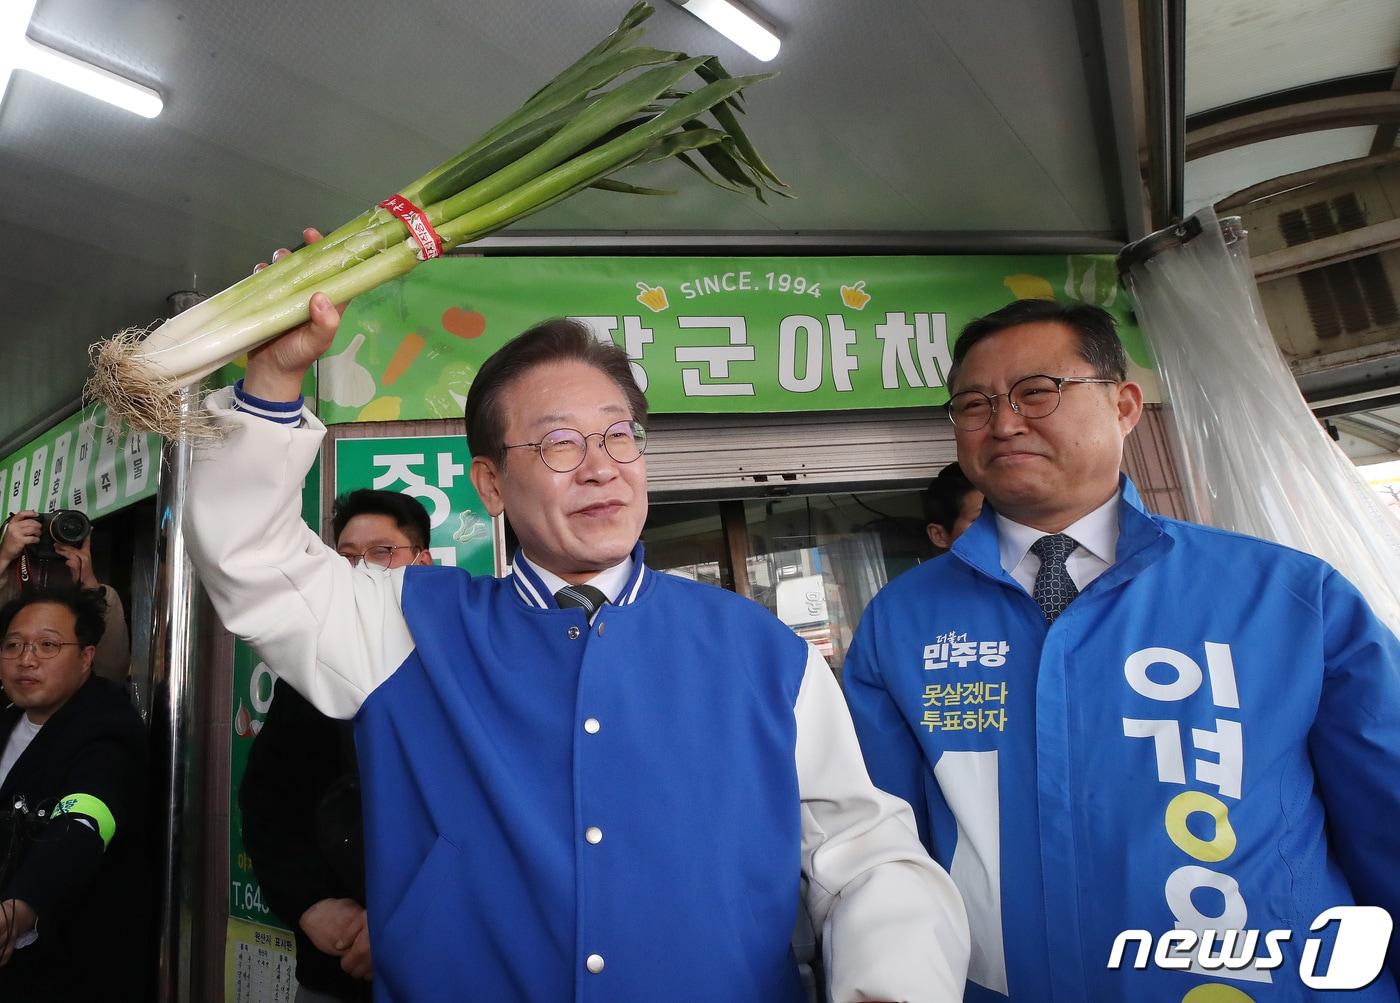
{"x": 704, "y": 335}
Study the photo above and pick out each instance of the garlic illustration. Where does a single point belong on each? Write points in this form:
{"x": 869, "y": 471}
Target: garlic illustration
{"x": 343, "y": 380}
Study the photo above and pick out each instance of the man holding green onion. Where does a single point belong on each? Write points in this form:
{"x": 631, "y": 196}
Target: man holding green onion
{"x": 584, "y": 780}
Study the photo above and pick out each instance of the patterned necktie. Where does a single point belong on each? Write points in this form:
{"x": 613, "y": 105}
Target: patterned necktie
{"x": 584, "y": 597}
{"x": 1054, "y": 589}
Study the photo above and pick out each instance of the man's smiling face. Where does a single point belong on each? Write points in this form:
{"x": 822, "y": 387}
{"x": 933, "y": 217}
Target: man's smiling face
{"x": 578, "y": 523}
{"x": 1044, "y": 472}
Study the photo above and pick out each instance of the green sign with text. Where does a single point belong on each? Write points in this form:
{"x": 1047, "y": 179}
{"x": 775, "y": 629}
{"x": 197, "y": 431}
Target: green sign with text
{"x": 713, "y": 335}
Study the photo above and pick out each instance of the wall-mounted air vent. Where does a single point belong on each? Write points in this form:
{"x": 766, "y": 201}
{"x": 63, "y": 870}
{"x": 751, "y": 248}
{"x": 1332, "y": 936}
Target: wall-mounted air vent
{"x": 1348, "y": 297}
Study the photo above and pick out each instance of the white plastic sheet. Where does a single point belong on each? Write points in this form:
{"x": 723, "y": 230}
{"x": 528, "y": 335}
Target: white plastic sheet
{"x": 1254, "y": 458}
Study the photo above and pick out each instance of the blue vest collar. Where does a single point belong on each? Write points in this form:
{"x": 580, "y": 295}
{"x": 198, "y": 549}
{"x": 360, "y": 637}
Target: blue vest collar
{"x": 534, "y": 593}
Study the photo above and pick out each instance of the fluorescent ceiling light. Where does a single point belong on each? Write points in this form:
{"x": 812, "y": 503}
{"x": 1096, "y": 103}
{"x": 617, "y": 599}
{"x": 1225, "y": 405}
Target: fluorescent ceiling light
{"x": 20, "y": 52}
{"x": 736, "y": 24}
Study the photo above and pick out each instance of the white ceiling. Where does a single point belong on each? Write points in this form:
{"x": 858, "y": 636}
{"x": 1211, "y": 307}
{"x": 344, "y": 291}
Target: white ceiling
{"x": 1210, "y": 179}
{"x": 906, "y": 115}
{"x": 1240, "y": 49}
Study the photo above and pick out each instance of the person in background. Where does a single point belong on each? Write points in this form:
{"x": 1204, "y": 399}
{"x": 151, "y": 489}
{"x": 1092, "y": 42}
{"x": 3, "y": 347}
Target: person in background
{"x": 300, "y": 797}
{"x": 1111, "y": 721}
{"x": 74, "y": 875}
{"x": 951, "y": 504}
{"x": 23, "y": 531}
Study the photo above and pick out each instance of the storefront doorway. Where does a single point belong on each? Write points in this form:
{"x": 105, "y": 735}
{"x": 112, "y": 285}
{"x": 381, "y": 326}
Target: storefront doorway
{"x": 815, "y": 560}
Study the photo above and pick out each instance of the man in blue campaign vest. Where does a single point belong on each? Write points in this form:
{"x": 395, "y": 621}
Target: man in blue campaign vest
{"x": 585, "y": 781}
{"x": 1125, "y": 735}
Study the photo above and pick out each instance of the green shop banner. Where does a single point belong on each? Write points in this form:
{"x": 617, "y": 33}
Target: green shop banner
{"x": 86, "y": 462}
{"x": 717, "y": 335}
{"x": 432, "y": 469}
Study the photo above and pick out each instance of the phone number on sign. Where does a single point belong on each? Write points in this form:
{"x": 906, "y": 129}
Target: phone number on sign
{"x": 247, "y": 894}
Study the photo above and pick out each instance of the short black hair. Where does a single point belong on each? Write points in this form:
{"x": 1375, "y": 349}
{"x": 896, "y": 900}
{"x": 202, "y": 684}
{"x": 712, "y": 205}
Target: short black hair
{"x": 89, "y": 608}
{"x": 558, "y": 340}
{"x": 407, "y": 512}
{"x": 1095, "y": 328}
{"x": 943, "y": 498}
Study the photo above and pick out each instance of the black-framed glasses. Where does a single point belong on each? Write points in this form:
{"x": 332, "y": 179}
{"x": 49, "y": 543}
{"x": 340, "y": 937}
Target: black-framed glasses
{"x": 13, "y": 647}
{"x": 381, "y": 556}
{"x": 564, "y": 449}
{"x": 1030, "y": 397}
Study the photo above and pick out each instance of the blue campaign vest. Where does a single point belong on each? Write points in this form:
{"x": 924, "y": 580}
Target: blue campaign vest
{"x": 481, "y": 783}
{"x": 1151, "y": 759}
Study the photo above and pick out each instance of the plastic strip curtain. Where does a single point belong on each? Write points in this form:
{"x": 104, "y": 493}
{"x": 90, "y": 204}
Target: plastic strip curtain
{"x": 1253, "y": 457}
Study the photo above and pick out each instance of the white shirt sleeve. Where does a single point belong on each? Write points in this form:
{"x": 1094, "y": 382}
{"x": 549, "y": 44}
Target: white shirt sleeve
{"x": 333, "y": 632}
{"x": 893, "y": 925}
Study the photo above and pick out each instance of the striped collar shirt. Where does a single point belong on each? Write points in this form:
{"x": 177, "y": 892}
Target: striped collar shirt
{"x": 537, "y": 586}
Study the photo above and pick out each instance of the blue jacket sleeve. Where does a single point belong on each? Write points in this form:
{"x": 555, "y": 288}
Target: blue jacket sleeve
{"x": 891, "y": 750}
{"x": 1355, "y": 746}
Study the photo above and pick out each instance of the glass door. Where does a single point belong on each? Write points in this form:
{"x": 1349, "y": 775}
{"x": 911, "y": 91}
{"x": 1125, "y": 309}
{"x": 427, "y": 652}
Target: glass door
{"x": 814, "y": 560}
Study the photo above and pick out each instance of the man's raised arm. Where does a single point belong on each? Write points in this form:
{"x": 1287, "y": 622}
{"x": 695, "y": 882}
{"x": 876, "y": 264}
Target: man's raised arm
{"x": 332, "y": 632}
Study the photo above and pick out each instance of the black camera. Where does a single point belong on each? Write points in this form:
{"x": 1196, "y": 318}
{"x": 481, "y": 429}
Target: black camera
{"x": 65, "y": 525}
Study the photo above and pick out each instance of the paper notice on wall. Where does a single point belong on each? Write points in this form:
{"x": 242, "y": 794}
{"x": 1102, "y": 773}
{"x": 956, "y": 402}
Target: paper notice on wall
{"x": 138, "y": 463}
{"x": 34, "y": 494}
{"x": 14, "y": 500}
{"x": 259, "y": 964}
{"x": 57, "y": 475}
{"x": 107, "y": 465}
{"x": 79, "y": 494}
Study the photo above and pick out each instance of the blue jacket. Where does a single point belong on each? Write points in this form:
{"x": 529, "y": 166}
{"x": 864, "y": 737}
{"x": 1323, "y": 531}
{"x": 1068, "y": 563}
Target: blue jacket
{"x": 1208, "y": 738}
{"x": 479, "y": 777}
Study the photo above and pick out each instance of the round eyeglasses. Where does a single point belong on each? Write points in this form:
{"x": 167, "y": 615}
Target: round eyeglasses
{"x": 379, "y": 557}
{"x": 564, "y": 449}
{"x": 13, "y": 647}
{"x": 1030, "y": 397}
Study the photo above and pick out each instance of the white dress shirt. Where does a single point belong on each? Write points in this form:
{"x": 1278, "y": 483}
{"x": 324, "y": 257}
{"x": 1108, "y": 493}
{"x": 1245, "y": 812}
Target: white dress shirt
{"x": 609, "y": 582}
{"x": 24, "y": 733}
{"x": 1096, "y": 534}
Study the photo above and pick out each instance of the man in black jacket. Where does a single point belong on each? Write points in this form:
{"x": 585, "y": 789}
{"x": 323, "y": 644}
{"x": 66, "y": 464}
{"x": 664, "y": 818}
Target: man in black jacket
{"x": 73, "y": 865}
{"x": 300, "y": 795}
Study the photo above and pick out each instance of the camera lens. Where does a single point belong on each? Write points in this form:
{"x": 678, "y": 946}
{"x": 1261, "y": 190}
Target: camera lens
{"x": 69, "y": 526}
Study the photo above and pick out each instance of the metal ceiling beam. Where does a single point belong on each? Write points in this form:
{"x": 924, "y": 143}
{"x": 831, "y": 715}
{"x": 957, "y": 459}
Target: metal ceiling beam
{"x": 1375, "y": 82}
{"x": 1369, "y": 433}
{"x": 1120, "y": 29}
{"x": 1301, "y": 179}
{"x": 1291, "y": 120}
{"x": 1327, "y": 251}
{"x": 658, "y": 242}
{"x": 1385, "y": 134}
{"x": 1164, "y": 58}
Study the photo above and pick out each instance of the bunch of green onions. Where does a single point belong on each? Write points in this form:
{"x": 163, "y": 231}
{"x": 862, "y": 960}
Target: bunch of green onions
{"x": 618, "y": 106}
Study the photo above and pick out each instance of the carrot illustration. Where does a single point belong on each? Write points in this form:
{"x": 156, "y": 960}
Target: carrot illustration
{"x": 404, "y": 355}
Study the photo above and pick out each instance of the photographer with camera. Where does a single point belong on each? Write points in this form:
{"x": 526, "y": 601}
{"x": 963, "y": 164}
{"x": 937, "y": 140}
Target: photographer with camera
{"x": 52, "y": 549}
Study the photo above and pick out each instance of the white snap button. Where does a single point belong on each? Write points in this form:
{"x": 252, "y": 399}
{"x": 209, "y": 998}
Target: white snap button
{"x": 595, "y": 963}
{"x": 593, "y": 834}
{"x": 591, "y": 726}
